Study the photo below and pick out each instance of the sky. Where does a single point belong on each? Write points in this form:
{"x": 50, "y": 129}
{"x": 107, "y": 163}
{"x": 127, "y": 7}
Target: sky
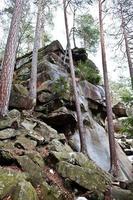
{"x": 58, "y": 33}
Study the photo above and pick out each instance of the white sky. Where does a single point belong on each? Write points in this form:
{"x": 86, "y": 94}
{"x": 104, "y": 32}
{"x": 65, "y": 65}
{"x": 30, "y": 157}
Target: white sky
{"x": 58, "y": 33}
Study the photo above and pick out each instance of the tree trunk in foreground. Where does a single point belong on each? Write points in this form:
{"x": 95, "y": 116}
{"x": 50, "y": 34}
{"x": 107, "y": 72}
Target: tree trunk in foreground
{"x": 79, "y": 114}
{"x": 33, "y": 80}
{"x": 113, "y": 156}
{"x": 9, "y": 58}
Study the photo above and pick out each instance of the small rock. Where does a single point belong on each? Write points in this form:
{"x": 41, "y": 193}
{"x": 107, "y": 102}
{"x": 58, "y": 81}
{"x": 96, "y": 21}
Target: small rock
{"x": 31, "y": 168}
{"x": 36, "y": 158}
{"x": 12, "y": 117}
{"x": 44, "y": 97}
{"x": 56, "y": 145}
{"x": 29, "y": 125}
{"x": 36, "y": 137}
{"x": 25, "y": 143}
{"x": 24, "y": 191}
{"x": 7, "y": 134}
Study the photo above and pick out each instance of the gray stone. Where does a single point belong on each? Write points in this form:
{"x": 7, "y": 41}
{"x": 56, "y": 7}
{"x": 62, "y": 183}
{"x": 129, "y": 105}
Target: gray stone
{"x": 51, "y": 192}
{"x": 120, "y": 194}
{"x": 25, "y": 143}
{"x": 31, "y": 168}
{"x": 24, "y": 191}
{"x": 56, "y": 145}
{"x": 7, "y": 134}
{"x": 89, "y": 177}
{"x": 9, "y": 181}
{"x": 12, "y": 117}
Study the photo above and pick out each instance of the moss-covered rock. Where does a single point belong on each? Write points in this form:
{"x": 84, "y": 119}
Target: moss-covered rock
{"x": 120, "y": 194}
{"x": 36, "y": 158}
{"x": 39, "y": 130}
{"x": 53, "y": 193}
{"x": 56, "y": 145}
{"x": 25, "y": 143}
{"x": 89, "y": 177}
{"x": 24, "y": 191}
{"x": 12, "y": 117}
{"x": 31, "y": 168}
{"x": 9, "y": 181}
{"x": 19, "y": 97}
{"x": 7, "y": 134}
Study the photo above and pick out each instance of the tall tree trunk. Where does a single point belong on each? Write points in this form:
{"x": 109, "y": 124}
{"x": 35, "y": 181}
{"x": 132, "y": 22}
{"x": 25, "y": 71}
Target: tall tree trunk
{"x": 130, "y": 65}
{"x": 33, "y": 80}
{"x": 79, "y": 114}
{"x": 9, "y": 58}
{"x": 113, "y": 156}
{"x": 74, "y": 15}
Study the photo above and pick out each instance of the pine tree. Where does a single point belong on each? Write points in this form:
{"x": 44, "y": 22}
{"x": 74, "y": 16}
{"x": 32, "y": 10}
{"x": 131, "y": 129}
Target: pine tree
{"x": 9, "y": 58}
{"x": 79, "y": 114}
{"x": 33, "y": 80}
{"x": 113, "y": 156}
{"x": 123, "y": 10}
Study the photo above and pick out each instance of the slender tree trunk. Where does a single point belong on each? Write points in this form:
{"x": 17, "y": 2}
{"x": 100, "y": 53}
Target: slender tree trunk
{"x": 33, "y": 80}
{"x": 79, "y": 114}
{"x": 74, "y": 40}
{"x": 9, "y": 58}
{"x": 130, "y": 65}
{"x": 113, "y": 156}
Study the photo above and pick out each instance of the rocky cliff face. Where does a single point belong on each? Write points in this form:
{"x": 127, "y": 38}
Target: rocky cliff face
{"x": 39, "y": 154}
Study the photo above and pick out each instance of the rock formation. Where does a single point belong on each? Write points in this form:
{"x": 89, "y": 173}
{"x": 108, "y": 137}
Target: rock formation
{"x": 39, "y": 154}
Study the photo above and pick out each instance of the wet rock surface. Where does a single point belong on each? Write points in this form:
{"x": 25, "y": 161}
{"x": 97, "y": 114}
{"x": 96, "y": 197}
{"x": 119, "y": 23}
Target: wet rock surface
{"x": 39, "y": 153}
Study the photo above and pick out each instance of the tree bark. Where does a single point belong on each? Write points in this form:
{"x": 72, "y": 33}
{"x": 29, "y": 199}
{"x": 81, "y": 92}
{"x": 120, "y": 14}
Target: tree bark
{"x": 79, "y": 114}
{"x": 33, "y": 80}
{"x": 74, "y": 15}
{"x": 112, "y": 145}
{"x": 9, "y": 58}
{"x": 130, "y": 65}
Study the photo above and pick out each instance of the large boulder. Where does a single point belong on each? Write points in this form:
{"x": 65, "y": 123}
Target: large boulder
{"x": 92, "y": 92}
{"x": 90, "y": 177}
{"x": 55, "y": 47}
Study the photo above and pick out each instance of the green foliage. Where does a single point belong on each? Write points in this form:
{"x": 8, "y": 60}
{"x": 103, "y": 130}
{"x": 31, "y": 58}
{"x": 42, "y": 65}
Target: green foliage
{"x": 127, "y": 123}
{"x": 127, "y": 97}
{"x": 120, "y": 90}
{"x": 60, "y": 87}
{"x": 88, "y": 71}
{"x": 88, "y": 31}
{"x": 128, "y": 126}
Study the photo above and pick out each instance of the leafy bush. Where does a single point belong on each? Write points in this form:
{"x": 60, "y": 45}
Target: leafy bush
{"x": 128, "y": 126}
{"x": 128, "y": 122}
{"x": 60, "y": 87}
{"x": 88, "y": 71}
{"x": 127, "y": 97}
